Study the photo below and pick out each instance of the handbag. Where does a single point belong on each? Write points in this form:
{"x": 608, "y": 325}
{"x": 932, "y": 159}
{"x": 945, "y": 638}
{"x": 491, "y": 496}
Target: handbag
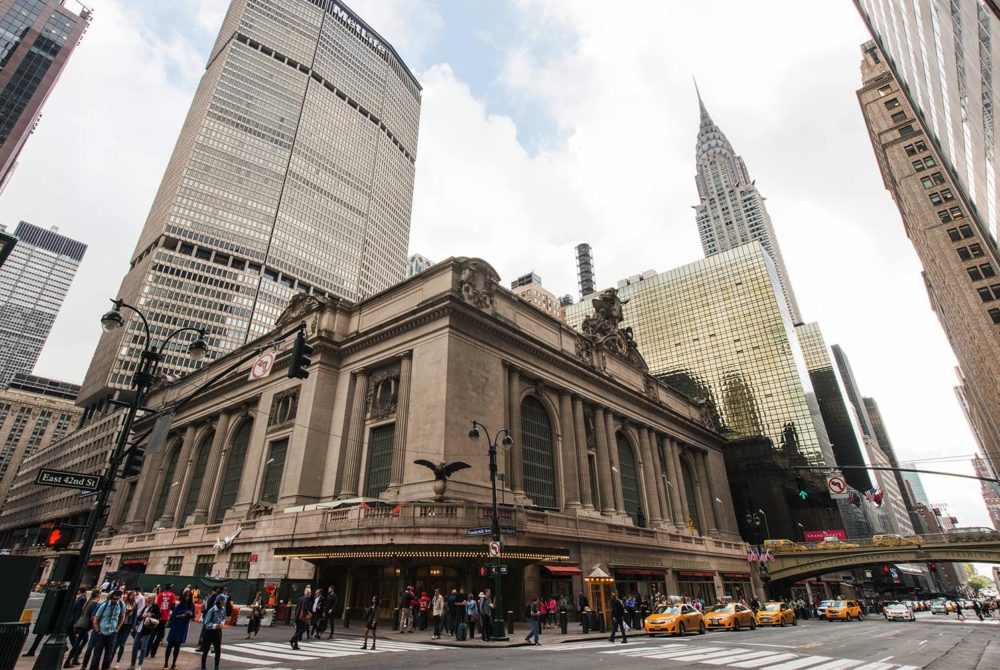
{"x": 151, "y": 622}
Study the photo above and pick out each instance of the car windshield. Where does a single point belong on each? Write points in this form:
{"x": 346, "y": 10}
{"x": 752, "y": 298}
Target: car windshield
{"x": 669, "y": 609}
{"x": 723, "y": 608}
{"x": 897, "y": 607}
{"x": 773, "y": 607}
{"x": 828, "y": 603}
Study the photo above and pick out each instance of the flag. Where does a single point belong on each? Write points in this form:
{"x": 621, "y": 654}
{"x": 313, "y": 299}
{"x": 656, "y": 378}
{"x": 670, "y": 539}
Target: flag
{"x": 395, "y": 510}
{"x": 874, "y": 495}
{"x": 854, "y": 498}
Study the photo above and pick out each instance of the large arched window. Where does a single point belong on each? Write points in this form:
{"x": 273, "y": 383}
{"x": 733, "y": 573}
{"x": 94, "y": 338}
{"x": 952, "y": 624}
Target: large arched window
{"x": 234, "y": 470}
{"x": 197, "y": 475}
{"x": 630, "y": 483}
{"x": 691, "y": 493}
{"x": 537, "y": 460}
{"x": 168, "y": 480}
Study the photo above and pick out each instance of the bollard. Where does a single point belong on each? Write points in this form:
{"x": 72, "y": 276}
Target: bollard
{"x": 347, "y": 617}
{"x": 600, "y": 622}
{"x": 510, "y": 622}
{"x": 585, "y": 620}
{"x": 563, "y": 619}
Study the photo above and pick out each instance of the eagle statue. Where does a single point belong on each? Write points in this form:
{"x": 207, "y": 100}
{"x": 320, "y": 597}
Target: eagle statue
{"x": 442, "y": 472}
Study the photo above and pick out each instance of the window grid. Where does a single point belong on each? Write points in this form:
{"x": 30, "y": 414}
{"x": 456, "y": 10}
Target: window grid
{"x": 379, "y": 459}
{"x": 536, "y": 449}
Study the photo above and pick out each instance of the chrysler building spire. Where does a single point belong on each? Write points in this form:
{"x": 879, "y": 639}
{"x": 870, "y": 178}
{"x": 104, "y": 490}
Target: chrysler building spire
{"x": 731, "y": 211}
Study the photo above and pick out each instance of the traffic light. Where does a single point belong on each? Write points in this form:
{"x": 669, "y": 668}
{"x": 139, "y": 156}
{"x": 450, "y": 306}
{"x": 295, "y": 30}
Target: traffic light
{"x": 58, "y": 538}
{"x": 484, "y": 571}
{"x": 132, "y": 465}
{"x": 301, "y": 351}
{"x": 885, "y": 569}
{"x": 932, "y": 567}
{"x": 800, "y": 484}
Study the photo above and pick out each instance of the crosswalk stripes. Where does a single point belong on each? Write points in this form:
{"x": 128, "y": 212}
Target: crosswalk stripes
{"x": 686, "y": 651}
{"x": 263, "y": 655}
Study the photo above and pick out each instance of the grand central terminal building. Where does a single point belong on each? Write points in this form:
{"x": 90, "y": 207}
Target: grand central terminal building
{"x": 613, "y": 479}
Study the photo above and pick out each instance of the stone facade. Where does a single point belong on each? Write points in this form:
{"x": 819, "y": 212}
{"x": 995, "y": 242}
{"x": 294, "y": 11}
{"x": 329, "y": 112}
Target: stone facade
{"x": 315, "y": 481}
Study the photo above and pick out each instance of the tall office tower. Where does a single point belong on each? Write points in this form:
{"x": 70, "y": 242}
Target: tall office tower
{"x": 942, "y": 53}
{"x": 731, "y": 211}
{"x": 991, "y": 490}
{"x": 914, "y": 484}
{"x": 293, "y": 173}
{"x": 7, "y": 243}
{"x": 893, "y": 502}
{"x": 36, "y": 40}
{"x": 882, "y": 437}
{"x": 717, "y": 329}
{"x": 528, "y": 287}
{"x": 33, "y": 284}
{"x": 585, "y": 269}
{"x": 958, "y": 254}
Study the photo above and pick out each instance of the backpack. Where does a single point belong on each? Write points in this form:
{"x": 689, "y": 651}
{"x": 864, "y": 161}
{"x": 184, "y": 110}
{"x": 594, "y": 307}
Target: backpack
{"x": 102, "y": 610}
{"x": 471, "y": 608}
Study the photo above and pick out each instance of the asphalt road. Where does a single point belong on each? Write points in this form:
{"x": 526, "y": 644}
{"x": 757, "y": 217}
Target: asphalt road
{"x": 813, "y": 645}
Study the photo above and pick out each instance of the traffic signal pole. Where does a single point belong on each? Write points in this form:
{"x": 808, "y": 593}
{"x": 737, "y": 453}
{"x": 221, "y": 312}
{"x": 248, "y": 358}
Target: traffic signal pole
{"x": 879, "y": 467}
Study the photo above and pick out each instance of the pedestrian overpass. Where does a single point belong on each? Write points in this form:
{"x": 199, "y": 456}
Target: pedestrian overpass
{"x": 807, "y": 559}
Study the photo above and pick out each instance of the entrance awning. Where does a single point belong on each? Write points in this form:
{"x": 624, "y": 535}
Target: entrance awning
{"x": 639, "y": 572}
{"x": 561, "y": 570}
{"x": 736, "y": 575}
{"x": 429, "y": 552}
{"x": 687, "y": 573}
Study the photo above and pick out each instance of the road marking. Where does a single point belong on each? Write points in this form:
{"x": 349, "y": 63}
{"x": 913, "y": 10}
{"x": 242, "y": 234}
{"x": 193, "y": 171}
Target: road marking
{"x": 839, "y": 664}
{"x": 757, "y": 662}
{"x": 776, "y": 646}
{"x": 922, "y": 642}
{"x": 875, "y": 666}
{"x": 800, "y": 663}
{"x": 887, "y": 658}
{"x": 699, "y": 655}
{"x": 723, "y": 660}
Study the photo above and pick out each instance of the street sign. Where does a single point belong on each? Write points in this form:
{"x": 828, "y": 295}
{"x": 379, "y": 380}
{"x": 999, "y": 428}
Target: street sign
{"x": 836, "y": 485}
{"x": 69, "y": 480}
{"x": 494, "y": 549}
{"x": 262, "y": 366}
{"x": 508, "y": 530}
{"x": 498, "y": 570}
{"x": 479, "y": 532}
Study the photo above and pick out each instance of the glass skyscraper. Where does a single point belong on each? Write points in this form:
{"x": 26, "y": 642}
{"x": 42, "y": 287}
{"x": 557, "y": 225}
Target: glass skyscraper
{"x": 33, "y": 284}
{"x": 293, "y": 173}
{"x": 942, "y": 52}
{"x": 731, "y": 211}
{"x": 36, "y": 39}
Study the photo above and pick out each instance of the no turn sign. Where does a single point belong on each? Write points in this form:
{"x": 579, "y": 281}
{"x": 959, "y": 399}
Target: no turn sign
{"x": 262, "y": 366}
{"x": 494, "y": 549}
{"x": 837, "y": 486}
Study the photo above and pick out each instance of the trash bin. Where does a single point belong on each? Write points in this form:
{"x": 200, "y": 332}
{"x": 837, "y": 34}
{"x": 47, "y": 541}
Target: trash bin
{"x": 12, "y": 637}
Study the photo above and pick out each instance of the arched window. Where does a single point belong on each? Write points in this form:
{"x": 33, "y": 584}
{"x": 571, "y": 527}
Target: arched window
{"x": 168, "y": 481}
{"x": 197, "y": 476}
{"x": 690, "y": 493}
{"x": 234, "y": 470}
{"x": 537, "y": 461}
{"x": 630, "y": 484}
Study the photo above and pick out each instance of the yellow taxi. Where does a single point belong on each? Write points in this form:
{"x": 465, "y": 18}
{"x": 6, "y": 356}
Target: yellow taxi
{"x": 893, "y": 540}
{"x": 783, "y": 545}
{"x": 776, "y": 614}
{"x": 730, "y": 616}
{"x": 843, "y": 610}
{"x": 675, "y": 619}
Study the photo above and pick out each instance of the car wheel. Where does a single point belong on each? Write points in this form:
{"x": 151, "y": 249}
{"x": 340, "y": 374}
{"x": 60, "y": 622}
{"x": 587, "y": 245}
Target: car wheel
{"x": 680, "y": 629}
{"x": 736, "y": 625}
{"x": 701, "y": 628}
{"x": 782, "y": 622}
{"x": 753, "y": 624}
{"x": 861, "y": 617}
{"x": 795, "y": 621}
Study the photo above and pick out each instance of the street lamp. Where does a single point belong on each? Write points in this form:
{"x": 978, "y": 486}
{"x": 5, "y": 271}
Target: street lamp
{"x": 803, "y": 529}
{"x": 499, "y": 635}
{"x": 51, "y": 655}
{"x": 767, "y": 529}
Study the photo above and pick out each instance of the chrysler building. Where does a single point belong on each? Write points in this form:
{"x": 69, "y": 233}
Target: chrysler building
{"x": 731, "y": 211}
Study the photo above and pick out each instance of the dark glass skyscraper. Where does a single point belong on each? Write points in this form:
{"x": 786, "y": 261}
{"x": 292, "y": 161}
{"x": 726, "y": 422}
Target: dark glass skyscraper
{"x": 36, "y": 39}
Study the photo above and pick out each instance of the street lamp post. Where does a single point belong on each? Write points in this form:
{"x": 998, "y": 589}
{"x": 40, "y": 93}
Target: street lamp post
{"x": 51, "y": 654}
{"x": 767, "y": 529}
{"x": 499, "y": 634}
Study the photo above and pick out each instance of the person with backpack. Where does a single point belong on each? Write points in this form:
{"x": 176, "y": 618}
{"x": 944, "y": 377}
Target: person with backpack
{"x": 214, "y": 621}
{"x": 471, "y": 614}
{"x": 371, "y": 622}
{"x": 145, "y": 627}
{"x": 458, "y": 616}
{"x": 108, "y": 618}
{"x": 534, "y": 611}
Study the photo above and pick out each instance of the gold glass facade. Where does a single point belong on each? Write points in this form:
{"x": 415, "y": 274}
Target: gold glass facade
{"x": 719, "y": 329}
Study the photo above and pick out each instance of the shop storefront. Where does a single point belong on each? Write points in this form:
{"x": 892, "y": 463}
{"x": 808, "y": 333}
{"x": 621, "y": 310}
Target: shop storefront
{"x": 134, "y": 561}
{"x": 697, "y": 586}
{"x": 557, "y": 580}
{"x": 646, "y": 582}
{"x": 737, "y": 586}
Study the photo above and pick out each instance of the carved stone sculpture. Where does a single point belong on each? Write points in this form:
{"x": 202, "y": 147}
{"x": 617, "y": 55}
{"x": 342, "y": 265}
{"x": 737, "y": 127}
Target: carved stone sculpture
{"x": 602, "y": 329}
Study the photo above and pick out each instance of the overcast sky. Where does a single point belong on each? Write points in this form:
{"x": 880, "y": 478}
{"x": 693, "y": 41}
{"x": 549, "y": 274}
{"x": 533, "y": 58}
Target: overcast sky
{"x": 545, "y": 124}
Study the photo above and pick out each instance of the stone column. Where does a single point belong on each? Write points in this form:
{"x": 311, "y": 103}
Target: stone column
{"x": 140, "y": 508}
{"x": 402, "y": 415}
{"x": 350, "y": 471}
{"x": 666, "y": 503}
{"x": 673, "y": 490}
{"x": 570, "y": 466}
{"x": 613, "y": 451}
{"x": 515, "y": 475}
{"x": 603, "y": 463}
{"x": 185, "y": 465}
{"x": 213, "y": 470}
{"x": 707, "y": 501}
{"x": 679, "y": 485}
{"x": 180, "y": 470}
{"x": 653, "y": 509}
{"x": 582, "y": 461}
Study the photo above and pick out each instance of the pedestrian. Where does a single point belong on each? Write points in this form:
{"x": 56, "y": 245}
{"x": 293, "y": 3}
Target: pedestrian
{"x": 303, "y": 612}
{"x": 318, "y": 620}
{"x": 425, "y": 603}
{"x": 486, "y": 614}
{"x": 145, "y": 627}
{"x": 958, "y": 610}
{"x": 180, "y": 619}
{"x": 108, "y": 618}
{"x": 256, "y": 614}
{"x": 472, "y": 614}
{"x": 71, "y": 632}
{"x": 82, "y": 628}
{"x": 165, "y": 600}
{"x": 552, "y": 611}
{"x": 977, "y": 609}
{"x": 449, "y": 612}
{"x": 534, "y": 612}
{"x": 214, "y": 621}
{"x": 371, "y": 622}
{"x": 209, "y": 604}
{"x": 125, "y": 631}
{"x": 617, "y": 617}
{"x": 458, "y": 616}
{"x": 582, "y": 605}
{"x": 414, "y": 611}
{"x": 331, "y": 609}
{"x": 406, "y": 611}
{"x": 543, "y": 613}
{"x": 437, "y": 613}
